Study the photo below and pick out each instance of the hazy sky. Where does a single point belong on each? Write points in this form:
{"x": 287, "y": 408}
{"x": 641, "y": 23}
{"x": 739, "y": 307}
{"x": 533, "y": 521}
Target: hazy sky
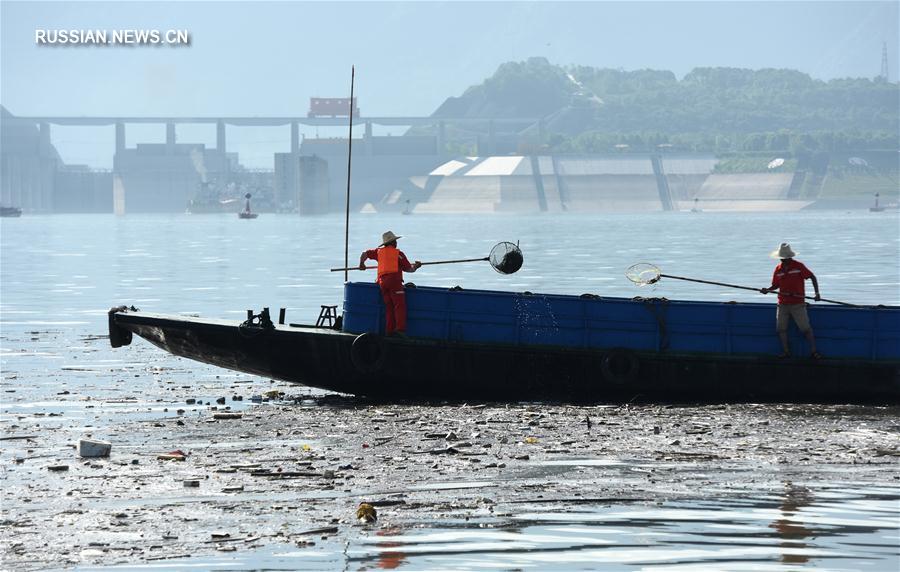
{"x": 268, "y": 58}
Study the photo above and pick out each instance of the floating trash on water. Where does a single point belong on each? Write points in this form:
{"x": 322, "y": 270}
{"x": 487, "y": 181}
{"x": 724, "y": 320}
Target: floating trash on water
{"x": 176, "y": 455}
{"x": 366, "y": 513}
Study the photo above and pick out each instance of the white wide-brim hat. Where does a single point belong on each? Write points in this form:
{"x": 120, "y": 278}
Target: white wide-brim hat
{"x": 388, "y": 237}
{"x": 783, "y": 251}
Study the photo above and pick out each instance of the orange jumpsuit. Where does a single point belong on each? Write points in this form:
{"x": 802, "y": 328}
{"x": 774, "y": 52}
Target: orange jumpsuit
{"x": 391, "y": 264}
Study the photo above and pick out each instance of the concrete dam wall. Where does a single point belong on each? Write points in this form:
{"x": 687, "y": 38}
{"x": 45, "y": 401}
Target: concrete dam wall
{"x": 595, "y": 184}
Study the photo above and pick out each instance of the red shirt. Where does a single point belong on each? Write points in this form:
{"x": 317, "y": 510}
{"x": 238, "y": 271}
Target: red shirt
{"x": 789, "y": 279}
{"x": 402, "y": 261}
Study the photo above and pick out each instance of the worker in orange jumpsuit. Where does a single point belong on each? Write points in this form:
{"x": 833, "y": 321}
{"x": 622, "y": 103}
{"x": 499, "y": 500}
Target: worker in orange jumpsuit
{"x": 391, "y": 265}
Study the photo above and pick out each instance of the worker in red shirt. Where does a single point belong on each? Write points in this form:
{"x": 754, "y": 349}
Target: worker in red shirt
{"x": 391, "y": 265}
{"x": 789, "y": 278}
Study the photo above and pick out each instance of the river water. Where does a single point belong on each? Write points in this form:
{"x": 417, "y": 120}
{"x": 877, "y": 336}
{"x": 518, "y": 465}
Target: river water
{"x": 68, "y": 270}
{"x": 60, "y": 274}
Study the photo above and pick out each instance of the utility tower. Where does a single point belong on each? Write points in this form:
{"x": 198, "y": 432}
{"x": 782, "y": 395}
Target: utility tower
{"x": 884, "y": 62}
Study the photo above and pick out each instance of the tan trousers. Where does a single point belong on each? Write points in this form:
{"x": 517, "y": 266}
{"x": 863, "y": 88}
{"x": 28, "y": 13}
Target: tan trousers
{"x": 787, "y": 311}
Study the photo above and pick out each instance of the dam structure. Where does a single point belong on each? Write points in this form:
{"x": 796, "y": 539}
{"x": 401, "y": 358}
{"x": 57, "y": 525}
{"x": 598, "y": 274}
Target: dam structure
{"x": 595, "y": 183}
{"x": 309, "y": 177}
{"x": 412, "y": 173}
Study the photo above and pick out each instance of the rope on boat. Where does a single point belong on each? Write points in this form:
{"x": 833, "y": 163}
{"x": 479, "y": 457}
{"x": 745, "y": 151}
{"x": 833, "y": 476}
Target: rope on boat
{"x": 256, "y": 324}
{"x": 652, "y": 305}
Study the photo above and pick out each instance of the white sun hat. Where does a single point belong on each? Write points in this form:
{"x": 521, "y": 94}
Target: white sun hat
{"x": 783, "y": 251}
{"x": 388, "y": 237}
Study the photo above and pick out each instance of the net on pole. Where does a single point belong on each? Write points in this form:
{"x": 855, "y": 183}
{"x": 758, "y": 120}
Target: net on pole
{"x": 643, "y": 273}
{"x": 506, "y": 258}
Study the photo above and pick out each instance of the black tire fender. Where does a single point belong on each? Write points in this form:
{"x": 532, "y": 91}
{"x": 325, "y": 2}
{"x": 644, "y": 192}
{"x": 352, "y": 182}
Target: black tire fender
{"x": 368, "y": 353}
{"x": 619, "y": 366}
{"x": 118, "y": 336}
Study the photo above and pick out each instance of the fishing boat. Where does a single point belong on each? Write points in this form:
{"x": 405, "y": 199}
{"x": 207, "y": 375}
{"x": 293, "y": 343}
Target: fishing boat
{"x": 513, "y": 346}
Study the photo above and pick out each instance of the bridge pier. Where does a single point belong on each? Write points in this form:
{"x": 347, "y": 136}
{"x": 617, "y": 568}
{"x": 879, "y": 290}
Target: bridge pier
{"x": 220, "y": 136}
{"x": 120, "y": 136}
{"x": 170, "y": 138}
{"x": 295, "y": 138}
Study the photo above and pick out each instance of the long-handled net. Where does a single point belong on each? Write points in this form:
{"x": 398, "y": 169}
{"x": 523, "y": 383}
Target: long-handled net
{"x": 644, "y": 274}
{"x": 505, "y": 258}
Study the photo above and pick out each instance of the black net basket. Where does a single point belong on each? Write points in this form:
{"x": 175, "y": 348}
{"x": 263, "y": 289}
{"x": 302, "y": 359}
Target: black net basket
{"x": 506, "y": 258}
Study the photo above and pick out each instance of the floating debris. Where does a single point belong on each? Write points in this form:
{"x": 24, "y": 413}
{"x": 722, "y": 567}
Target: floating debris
{"x": 93, "y": 448}
{"x": 366, "y": 513}
{"x": 177, "y": 455}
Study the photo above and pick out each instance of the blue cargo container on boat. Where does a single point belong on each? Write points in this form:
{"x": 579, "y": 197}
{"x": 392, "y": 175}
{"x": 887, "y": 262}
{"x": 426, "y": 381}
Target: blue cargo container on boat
{"x": 639, "y": 324}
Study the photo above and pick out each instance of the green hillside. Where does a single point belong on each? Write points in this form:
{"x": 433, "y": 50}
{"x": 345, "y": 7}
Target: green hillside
{"x": 841, "y": 135}
{"x": 721, "y": 110}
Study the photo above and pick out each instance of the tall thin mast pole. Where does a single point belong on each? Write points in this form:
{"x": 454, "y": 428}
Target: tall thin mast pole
{"x": 349, "y": 155}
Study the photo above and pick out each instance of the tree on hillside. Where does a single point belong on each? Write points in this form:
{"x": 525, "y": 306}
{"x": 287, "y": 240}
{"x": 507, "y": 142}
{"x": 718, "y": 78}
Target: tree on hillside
{"x": 533, "y": 88}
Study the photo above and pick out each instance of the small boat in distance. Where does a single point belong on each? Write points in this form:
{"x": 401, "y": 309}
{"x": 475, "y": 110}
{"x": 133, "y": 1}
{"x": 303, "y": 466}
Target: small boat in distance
{"x": 246, "y": 212}
{"x": 10, "y": 212}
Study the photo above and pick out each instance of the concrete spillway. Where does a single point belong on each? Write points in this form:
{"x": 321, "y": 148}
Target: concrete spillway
{"x": 601, "y": 184}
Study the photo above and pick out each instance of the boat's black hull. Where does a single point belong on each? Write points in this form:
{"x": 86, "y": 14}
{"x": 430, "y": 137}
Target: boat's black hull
{"x": 394, "y": 368}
